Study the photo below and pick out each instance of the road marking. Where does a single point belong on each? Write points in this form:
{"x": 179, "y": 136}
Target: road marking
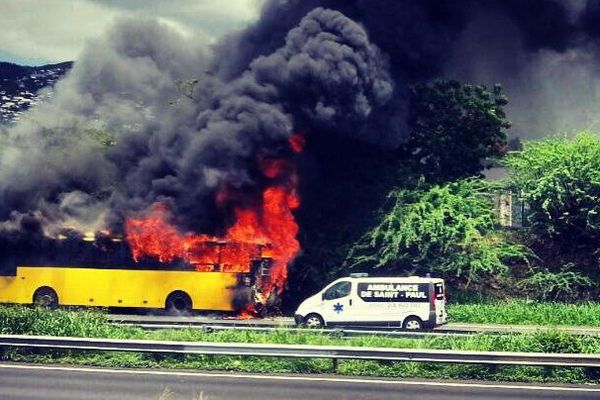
{"x": 297, "y": 378}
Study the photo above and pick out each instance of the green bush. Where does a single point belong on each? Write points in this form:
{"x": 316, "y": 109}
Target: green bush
{"x": 18, "y": 320}
{"x": 560, "y": 180}
{"x": 562, "y": 285}
{"x": 447, "y": 229}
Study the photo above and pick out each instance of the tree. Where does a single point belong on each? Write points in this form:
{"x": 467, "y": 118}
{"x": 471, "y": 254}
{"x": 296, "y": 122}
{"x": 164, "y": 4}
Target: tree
{"x": 446, "y": 229}
{"x": 454, "y": 127}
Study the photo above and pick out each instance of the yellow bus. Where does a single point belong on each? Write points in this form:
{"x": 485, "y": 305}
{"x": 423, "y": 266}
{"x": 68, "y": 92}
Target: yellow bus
{"x": 175, "y": 290}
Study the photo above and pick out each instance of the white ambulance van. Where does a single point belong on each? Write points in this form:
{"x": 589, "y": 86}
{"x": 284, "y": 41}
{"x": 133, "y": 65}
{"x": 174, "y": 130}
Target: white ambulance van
{"x": 413, "y": 303}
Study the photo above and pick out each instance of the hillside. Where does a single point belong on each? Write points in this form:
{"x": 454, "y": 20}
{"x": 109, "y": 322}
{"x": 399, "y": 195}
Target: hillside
{"x": 20, "y": 87}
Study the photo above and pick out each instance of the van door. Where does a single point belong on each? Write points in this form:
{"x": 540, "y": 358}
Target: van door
{"x": 337, "y": 303}
{"x": 369, "y": 307}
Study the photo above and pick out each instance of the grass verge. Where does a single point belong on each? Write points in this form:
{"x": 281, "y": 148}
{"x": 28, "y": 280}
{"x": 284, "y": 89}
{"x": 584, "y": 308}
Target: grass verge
{"x": 522, "y": 312}
{"x": 21, "y": 320}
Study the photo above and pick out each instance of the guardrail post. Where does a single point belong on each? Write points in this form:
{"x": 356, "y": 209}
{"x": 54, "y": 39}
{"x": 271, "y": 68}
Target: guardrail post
{"x": 338, "y": 333}
{"x": 592, "y": 372}
{"x": 334, "y": 362}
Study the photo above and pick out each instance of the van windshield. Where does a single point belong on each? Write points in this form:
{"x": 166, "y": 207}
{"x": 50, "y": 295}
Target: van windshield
{"x": 340, "y": 289}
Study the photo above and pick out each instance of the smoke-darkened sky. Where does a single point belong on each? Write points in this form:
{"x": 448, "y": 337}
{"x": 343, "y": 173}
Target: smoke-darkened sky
{"x": 327, "y": 68}
{"x": 35, "y": 32}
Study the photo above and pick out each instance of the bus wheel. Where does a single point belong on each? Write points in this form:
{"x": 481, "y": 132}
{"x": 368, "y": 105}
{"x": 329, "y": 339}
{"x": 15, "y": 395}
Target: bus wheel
{"x": 413, "y": 324}
{"x": 46, "y": 297}
{"x": 178, "y": 302}
{"x": 313, "y": 321}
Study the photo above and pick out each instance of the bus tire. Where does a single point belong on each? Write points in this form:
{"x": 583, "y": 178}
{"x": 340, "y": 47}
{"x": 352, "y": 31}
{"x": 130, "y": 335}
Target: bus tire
{"x": 46, "y": 297}
{"x": 412, "y": 323}
{"x": 314, "y": 321}
{"x": 178, "y": 302}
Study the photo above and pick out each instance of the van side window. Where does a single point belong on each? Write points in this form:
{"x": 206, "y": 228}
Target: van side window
{"x": 340, "y": 289}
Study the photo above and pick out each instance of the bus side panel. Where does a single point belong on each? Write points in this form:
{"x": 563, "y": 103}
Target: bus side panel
{"x": 121, "y": 288}
{"x": 20, "y": 289}
{"x": 14, "y": 290}
{"x": 104, "y": 287}
{"x": 147, "y": 289}
{"x": 213, "y": 290}
{"x": 208, "y": 290}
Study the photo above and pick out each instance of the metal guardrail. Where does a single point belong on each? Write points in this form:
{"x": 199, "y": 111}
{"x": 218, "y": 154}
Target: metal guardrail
{"x": 286, "y": 324}
{"x": 303, "y": 351}
{"x": 341, "y": 333}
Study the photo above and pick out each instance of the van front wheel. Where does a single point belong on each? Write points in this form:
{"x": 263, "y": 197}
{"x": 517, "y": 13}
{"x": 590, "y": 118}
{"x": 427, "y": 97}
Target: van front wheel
{"x": 413, "y": 324}
{"x": 313, "y": 321}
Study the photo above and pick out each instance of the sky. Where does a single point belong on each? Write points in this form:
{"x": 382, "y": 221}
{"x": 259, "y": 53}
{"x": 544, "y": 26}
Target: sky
{"x": 35, "y": 32}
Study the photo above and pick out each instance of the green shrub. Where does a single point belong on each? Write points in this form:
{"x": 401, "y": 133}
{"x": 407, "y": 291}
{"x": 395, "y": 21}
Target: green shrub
{"x": 447, "y": 229}
{"x": 20, "y": 320}
{"x": 560, "y": 180}
{"x": 562, "y": 285}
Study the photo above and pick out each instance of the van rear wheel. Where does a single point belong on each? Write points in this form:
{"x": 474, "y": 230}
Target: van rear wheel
{"x": 314, "y": 321}
{"x": 46, "y": 297}
{"x": 413, "y": 324}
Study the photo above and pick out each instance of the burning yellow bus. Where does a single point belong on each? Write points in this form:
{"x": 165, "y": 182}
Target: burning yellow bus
{"x": 174, "y": 290}
{"x": 240, "y": 267}
{"x": 210, "y": 289}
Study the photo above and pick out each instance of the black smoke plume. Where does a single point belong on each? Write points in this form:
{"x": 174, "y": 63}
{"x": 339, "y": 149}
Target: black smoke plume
{"x": 128, "y": 127}
{"x": 544, "y": 52}
{"x": 147, "y": 115}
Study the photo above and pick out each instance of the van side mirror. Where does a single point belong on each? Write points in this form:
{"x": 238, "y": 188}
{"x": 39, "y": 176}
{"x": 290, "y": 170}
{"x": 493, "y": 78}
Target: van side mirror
{"x": 323, "y": 296}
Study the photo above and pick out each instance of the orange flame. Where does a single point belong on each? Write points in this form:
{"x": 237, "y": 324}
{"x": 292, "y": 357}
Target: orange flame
{"x": 297, "y": 142}
{"x": 267, "y": 230}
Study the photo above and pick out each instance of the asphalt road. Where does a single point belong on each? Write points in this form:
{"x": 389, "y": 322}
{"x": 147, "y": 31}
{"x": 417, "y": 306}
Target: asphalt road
{"x": 29, "y": 382}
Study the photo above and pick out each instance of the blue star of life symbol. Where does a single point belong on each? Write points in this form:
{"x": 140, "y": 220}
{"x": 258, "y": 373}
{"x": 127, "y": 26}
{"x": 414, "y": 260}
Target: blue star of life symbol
{"x": 338, "y": 308}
